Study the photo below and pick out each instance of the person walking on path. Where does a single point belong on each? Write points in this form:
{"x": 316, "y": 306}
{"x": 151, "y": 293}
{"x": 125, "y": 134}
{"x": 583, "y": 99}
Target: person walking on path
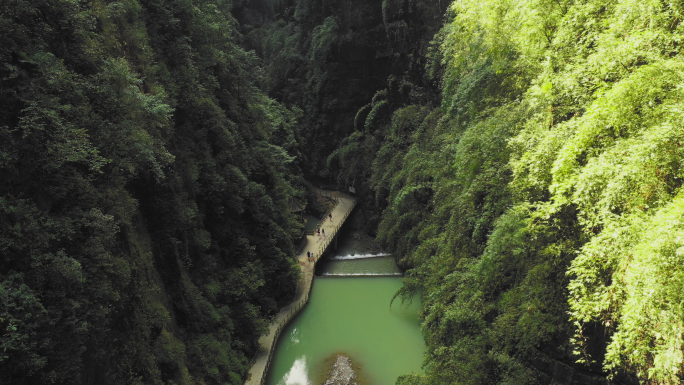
{"x": 324, "y": 233}
{"x": 308, "y": 255}
{"x": 330, "y": 217}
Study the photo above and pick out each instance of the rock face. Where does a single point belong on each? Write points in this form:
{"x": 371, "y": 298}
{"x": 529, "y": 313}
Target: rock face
{"x": 342, "y": 372}
{"x": 372, "y": 225}
{"x": 319, "y": 205}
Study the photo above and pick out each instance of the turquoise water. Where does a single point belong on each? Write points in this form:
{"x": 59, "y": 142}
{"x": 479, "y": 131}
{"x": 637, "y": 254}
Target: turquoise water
{"x": 350, "y": 316}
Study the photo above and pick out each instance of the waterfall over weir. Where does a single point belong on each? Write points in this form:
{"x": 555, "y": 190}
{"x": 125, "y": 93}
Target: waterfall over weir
{"x": 342, "y": 275}
{"x": 358, "y": 256}
{"x": 358, "y": 265}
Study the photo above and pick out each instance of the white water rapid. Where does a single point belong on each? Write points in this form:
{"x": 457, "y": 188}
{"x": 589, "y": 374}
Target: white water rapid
{"x": 358, "y": 256}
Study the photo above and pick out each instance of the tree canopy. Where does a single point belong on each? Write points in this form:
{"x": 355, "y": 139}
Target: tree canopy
{"x": 144, "y": 229}
{"x": 538, "y": 208}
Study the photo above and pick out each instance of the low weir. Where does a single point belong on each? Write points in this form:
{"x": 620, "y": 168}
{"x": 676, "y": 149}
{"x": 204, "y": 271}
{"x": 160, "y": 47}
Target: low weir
{"x": 360, "y": 275}
{"x": 358, "y": 256}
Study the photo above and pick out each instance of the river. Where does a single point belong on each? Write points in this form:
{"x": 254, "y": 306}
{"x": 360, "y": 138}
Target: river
{"x": 351, "y": 315}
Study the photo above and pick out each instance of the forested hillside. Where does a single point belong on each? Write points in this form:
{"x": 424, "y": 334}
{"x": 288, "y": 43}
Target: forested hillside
{"x": 539, "y": 207}
{"x": 144, "y": 178}
{"x": 329, "y": 58}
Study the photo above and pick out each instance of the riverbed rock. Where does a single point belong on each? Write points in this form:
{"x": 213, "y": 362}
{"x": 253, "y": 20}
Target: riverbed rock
{"x": 318, "y": 205}
{"x": 372, "y": 226}
{"x": 342, "y": 372}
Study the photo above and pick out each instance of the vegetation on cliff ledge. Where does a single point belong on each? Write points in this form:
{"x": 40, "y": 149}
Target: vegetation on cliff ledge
{"x": 144, "y": 178}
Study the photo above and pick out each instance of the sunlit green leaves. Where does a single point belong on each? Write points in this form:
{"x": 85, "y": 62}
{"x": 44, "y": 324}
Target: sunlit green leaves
{"x": 586, "y": 96}
{"x": 606, "y": 140}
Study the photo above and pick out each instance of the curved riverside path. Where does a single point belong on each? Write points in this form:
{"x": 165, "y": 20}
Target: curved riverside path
{"x": 317, "y": 245}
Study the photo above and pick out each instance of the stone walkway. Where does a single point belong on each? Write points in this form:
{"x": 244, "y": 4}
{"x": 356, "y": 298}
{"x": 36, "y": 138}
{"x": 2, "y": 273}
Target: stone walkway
{"x": 314, "y": 243}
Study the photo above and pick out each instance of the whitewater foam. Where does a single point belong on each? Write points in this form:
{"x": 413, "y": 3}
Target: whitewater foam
{"x": 297, "y": 375}
{"x": 358, "y": 256}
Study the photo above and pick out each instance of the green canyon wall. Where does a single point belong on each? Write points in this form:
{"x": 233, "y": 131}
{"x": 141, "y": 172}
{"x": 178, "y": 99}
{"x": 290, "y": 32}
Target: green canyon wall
{"x": 537, "y": 206}
{"x": 526, "y": 161}
{"x": 144, "y": 179}
{"x": 330, "y": 58}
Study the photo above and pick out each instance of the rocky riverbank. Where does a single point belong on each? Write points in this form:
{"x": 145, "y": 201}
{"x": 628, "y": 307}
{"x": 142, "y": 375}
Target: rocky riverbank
{"x": 362, "y": 231}
{"x": 319, "y": 204}
{"x": 342, "y": 372}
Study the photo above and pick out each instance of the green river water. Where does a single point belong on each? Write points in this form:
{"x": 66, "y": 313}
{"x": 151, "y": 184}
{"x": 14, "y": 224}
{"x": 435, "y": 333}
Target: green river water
{"x": 351, "y": 316}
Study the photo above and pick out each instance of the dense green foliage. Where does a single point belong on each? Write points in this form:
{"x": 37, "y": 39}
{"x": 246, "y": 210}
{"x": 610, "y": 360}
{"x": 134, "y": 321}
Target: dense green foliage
{"x": 539, "y": 208}
{"x": 329, "y": 58}
{"x": 144, "y": 231}
{"x": 536, "y": 203}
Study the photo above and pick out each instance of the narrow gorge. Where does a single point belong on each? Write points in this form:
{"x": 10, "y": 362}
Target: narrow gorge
{"x": 515, "y": 165}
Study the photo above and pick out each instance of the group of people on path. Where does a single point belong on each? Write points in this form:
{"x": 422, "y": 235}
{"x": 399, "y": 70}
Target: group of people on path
{"x": 320, "y": 231}
{"x": 309, "y": 255}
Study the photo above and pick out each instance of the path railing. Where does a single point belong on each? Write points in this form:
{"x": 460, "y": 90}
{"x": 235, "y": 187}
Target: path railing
{"x": 325, "y": 245}
{"x": 284, "y": 322}
{"x": 304, "y": 300}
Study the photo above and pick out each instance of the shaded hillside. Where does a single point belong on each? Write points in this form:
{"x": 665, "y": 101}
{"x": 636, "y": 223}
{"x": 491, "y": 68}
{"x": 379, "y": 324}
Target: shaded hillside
{"x": 330, "y": 58}
{"x": 144, "y": 231}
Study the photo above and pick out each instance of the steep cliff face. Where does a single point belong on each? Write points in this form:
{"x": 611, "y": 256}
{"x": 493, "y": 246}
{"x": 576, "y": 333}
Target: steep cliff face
{"x": 526, "y": 163}
{"x": 144, "y": 180}
{"x": 330, "y": 58}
